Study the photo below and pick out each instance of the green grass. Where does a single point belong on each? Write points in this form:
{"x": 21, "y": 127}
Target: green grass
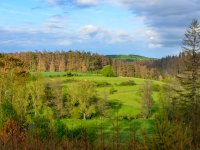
{"x": 47, "y": 74}
{"x": 124, "y": 103}
{"x": 125, "y": 126}
{"x": 130, "y": 57}
{"x": 61, "y": 74}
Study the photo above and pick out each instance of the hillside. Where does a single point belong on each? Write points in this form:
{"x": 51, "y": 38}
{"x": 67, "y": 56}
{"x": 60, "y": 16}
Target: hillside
{"x": 130, "y": 57}
{"x": 125, "y": 101}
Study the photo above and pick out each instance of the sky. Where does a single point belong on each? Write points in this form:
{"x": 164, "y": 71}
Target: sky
{"x": 152, "y": 28}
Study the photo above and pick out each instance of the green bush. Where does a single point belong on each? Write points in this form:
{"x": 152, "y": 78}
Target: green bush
{"x": 112, "y": 90}
{"x": 7, "y": 111}
{"x": 61, "y": 129}
{"x": 71, "y": 80}
{"x": 156, "y": 87}
{"x": 102, "y": 84}
{"x": 40, "y": 127}
{"x": 80, "y": 132}
{"x": 127, "y": 83}
{"x": 69, "y": 74}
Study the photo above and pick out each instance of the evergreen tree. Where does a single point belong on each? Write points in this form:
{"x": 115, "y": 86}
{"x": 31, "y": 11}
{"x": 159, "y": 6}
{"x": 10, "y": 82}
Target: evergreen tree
{"x": 190, "y": 77}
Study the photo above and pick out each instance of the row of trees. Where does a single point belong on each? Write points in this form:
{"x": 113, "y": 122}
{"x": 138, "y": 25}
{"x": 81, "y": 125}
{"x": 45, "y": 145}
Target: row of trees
{"x": 85, "y": 62}
{"x": 62, "y": 61}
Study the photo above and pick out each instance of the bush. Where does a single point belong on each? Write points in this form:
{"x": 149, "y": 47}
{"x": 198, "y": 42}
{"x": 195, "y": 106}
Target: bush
{"x": 128, "y": 117}
{"x": 156, "y": 87}
{"x": 69, "y": 74}
{"x": 61, "y": 129}
{"x": 112, "y": 90}
{"x": 127, "y": 83}
{"x": 80, "y": 132}
{"x": 71, "y": 80}
{"x": 102, "y": 84}
{"x": 7, "y": 111}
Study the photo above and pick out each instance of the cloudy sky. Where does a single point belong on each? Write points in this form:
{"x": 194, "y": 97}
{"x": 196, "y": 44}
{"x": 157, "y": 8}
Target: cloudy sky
{"x": 151, "y": 28}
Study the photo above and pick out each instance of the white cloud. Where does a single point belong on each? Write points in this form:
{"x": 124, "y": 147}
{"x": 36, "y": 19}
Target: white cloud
{"x": 89, "y": 29}
{"x": 122, "y": 36}
{"x": 152, "y": 35}
{"x": 110, "y": 36}
{"x": 88, "y": 2}
{"x": 55, "y": 24}
{"x": 167, "y": 18}
{"x": 93, "y": 32}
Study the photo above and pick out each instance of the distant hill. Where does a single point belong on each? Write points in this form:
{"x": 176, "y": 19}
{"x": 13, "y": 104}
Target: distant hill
{"x": 130, "y": 57}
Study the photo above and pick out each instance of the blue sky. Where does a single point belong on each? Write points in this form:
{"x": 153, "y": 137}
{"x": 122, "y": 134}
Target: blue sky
{"x": 152, "y": 28}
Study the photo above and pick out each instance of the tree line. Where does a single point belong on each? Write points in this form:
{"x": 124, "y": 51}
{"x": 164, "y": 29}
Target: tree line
{"x": 80, "y": 61}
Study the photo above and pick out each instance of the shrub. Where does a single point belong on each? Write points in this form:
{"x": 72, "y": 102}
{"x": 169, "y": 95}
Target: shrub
{"x": 12, "y": 131}
{"x": 156, "y": 87}
{"x": 61, "y": 129}
{"x": 40, "y": 128}
{"x": 129, "y": 117}
{"x": 69, "y": 74}
{"x": 102, "y": 84}
{"x": 71, "y": 80}
{"x": 7, "y": 111}
{"x": 81, "y": 133}
{"x": 112, "y": 90}
{"x": 127, "y": 83}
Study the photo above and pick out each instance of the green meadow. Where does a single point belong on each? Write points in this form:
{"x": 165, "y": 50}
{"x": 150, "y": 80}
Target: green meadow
{"x": 124, "y": 104}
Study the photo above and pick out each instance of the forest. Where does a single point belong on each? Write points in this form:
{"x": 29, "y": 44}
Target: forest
{"x": 83, "y": 100}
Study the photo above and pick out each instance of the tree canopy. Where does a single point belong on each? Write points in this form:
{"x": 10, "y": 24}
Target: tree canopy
{"x": 107, "y": 71}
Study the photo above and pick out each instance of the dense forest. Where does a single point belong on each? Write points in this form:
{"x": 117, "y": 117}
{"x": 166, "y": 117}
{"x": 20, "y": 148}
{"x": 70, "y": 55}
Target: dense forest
{"x": 85, "y": 108}
{"x": 79, "y": 61}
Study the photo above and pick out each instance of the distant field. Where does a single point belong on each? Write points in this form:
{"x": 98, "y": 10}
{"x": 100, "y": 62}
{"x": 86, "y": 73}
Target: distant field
{"x": 130, "y": 57}
{"x": 60, "y": 74}
{"x": 128, "y": 98}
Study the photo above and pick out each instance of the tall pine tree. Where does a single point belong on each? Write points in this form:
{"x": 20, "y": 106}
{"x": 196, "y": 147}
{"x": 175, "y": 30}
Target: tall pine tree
{"x": 190, "y": 77}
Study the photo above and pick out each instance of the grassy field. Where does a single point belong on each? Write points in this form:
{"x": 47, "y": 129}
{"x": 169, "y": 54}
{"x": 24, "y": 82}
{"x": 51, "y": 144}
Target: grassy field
{"x": 130, "y": 57}
{"x": 125, "y": 102}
